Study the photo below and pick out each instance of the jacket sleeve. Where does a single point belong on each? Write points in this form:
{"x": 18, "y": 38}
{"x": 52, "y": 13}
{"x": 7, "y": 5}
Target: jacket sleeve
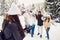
{"x": 4, "y": 24}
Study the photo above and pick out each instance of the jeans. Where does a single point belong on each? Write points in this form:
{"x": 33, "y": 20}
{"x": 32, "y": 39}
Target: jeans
{"x": 27, "y": 26}
{"x": 47, "y": 32}
{"x": 32, "y": 29}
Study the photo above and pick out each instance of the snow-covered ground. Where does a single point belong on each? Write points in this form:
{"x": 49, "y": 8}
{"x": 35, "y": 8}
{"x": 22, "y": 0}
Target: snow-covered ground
{"x": 54, "y": 31}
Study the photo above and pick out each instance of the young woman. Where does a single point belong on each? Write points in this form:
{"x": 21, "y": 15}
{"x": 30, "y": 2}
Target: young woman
{"x": 47, "y": 25}
{"x": 12, "y": 28}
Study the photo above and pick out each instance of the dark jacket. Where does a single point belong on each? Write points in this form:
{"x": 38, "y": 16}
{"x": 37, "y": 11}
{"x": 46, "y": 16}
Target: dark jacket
{"x": 40, "y": 21}
{"x": 17, "y": 21}
{"x": 11, "y": 31}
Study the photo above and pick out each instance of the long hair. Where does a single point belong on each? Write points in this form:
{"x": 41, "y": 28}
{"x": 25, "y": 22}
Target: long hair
{"x": 47, "y": 18}
{"x": 15, "y": 19}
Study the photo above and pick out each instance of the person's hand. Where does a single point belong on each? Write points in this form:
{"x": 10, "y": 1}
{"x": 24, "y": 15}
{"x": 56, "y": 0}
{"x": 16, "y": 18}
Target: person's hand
{"x": 45, "y": 28}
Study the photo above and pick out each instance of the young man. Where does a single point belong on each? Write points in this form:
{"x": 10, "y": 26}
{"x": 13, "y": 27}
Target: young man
{"x": 40, "y": 23}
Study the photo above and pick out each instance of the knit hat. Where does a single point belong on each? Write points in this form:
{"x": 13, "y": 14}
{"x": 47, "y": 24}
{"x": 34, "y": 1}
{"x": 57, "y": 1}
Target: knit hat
{"x": 14, "y": 10}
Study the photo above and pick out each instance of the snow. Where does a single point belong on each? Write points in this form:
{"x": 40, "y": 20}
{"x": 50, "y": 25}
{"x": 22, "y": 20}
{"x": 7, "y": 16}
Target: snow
{"x": 54, "y": 31}
{"x": 1, "y": 21}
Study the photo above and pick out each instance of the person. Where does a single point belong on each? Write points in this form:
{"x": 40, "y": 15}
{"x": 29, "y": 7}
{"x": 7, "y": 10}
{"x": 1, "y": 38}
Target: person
{"x": 40, "y": 23}
{"x": 32, "y": 23}
{"x": 47, "y": 25}
{"x": 12, "y": 28}
{"x": 11, "y": 25}
{"x": 27, "y": 25}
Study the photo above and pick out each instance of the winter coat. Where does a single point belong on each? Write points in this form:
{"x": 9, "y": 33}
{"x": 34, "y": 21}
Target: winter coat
{"x": 11, "y": 31}
{"x": 39, "y": 19}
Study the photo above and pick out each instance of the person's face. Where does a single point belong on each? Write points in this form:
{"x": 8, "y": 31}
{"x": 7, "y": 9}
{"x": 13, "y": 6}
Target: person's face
{"x": 39, "y": 12}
